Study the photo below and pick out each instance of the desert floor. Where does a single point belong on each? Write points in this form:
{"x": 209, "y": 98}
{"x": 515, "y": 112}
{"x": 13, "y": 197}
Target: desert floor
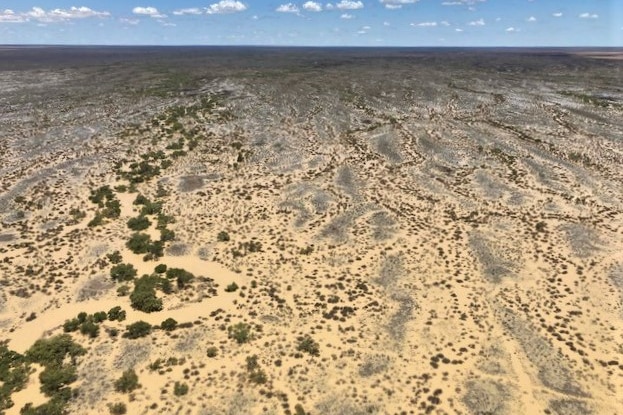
{"x": 366, "y": 232}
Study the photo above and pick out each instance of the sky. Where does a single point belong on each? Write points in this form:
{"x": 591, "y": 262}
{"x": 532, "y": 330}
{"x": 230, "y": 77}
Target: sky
{"x": 314, "y": 23}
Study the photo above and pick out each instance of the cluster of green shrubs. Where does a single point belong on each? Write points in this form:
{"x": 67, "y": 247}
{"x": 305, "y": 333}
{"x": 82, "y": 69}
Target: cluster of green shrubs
{"x": 245, "y": 248}
{"x": 14, "y": 372}
{"x": 123, "y": 272}
{"x": 58, "y": 357}
{"x": 144, "y": 297}
{"x": 254, "y": 372}
{"x": 109, "y": 206}
{"x": 141, "y": 243}
{"x": 88, "y": 324}
{"x": 309, "y": 345}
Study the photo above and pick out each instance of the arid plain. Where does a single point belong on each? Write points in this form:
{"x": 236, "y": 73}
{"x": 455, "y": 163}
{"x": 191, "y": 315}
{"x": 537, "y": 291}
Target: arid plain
{"x": 309, "y": 231}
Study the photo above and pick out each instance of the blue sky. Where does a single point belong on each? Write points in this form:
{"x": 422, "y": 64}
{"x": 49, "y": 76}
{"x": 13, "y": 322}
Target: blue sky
{"x": 315, "y": 23}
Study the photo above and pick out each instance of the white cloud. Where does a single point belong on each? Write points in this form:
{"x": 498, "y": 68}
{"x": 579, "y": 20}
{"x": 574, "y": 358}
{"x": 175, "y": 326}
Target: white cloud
{"x": 288, "y": 8}
{"x": 312, "y": 6}
{"x": 133, "y": 22}
{"x": 512, "y": 29}
{"x": 462, "y": 3}
{"x": 192, "y": 10}
{"x": 9, "y": 16}
{"x": 444, "y": 23}
{"x": 458, "y": 29}
{"x": 589, "y": 16}
{"x": 226, "y": 6}
{"x": 56, "y": 15}
{"x": 531, "y": 19}
{"x": 396, "y": 4}
{"x": 346, "y": 16}
{"x": 479, "y": 22}
{"x": 148, "y": 11}
{"x": 558, "y": 14}
{"x": 349, "y": 5}
{"x": 329, "y": 6}
{"x": 424, "y": 24}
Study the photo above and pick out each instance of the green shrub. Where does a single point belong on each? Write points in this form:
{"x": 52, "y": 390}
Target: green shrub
{"x": 123, "y": 290}
{"x": 143, "y": 297}
{"x": 123, "y": 272}
{"x": 222, "y": 236}
{"x": 168, "y": 324}
{"x": 54, "y": 350}
{"x": 14, "y": 372}
{"x": 127, "y": 382}
{"x": 112, "y": 209}
{"x": 141, "y": 200}
{"x": 99, "y": 195}
{"x": 182, "y": 276}
{"x": 96, "y": 221}
{"x": 118, "y": 408}
{"x": 89, "y": 328}
{"x": 115, "y": 257}
{"x": 139, "y": 243}
{"x": 99, "y": 316}
{"x": 55, "y": 378}
{"x": 160, "y": 268}
{"x": 151, "y": 208}
{"x": 212, "y": 351}
{"x": 139, "y": 223}
{"x": 116, "y": 314}
{"x": 309, "y": 345}
{"x": 180, "y": 389}
{"x": 71, "y": 325}
{"x": 241, "y": 332}
{"x": 138, "y": 329}
{"x": 166, "y": 235}
{"x": 231, "y": 287}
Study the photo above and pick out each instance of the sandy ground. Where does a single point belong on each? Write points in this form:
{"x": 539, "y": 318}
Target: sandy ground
{"x": 443, "y": 261}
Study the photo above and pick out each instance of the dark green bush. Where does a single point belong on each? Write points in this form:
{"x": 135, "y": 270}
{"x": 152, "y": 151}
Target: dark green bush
{"x": 180, "y": 389}
{"x": 222, "y": 236}
{"x": 116, "y": 314}
{"x": 138, "y": 329}
{"x": 231, "y": 287}
{"x": 143, "y": 297}
{"x": 118, "y": 408}
{"x": 182, "y": 276}
{"x": 168, "y": 324}
{"x": 123, "y": 272}
{"x": 99, "y": 316}
{"x": 127, "y": 382}
{"x": 139, "y": 243}
{"x": 114, "y": 257}
{"x": 54, "y": 350}
{"x": 160, "y": 268}
{"x": 89, "y": 328}
{"x": 309, "y": 345}
{"x": 241, "y": 332}
{"x": 139, "y": 223}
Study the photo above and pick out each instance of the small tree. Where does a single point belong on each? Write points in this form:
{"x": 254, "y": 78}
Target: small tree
{"x": 139, "y": 223}
{"x": 127, "y": 382}
{"x": 123, "y": 272}
{"x": 138, "y": 329}
{"x": 168, "y": 324}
